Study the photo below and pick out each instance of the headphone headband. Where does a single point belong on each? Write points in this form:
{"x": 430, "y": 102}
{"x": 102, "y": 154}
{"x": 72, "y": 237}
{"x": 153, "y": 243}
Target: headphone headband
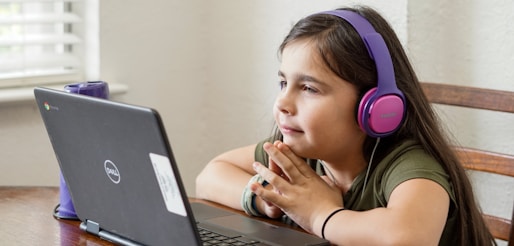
{"x": 377, "y": 50}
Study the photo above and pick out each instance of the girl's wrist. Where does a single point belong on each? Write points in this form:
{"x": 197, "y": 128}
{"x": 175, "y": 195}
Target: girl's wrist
{"x": 327, "y": 220}
{"x": 260, "y": 205}
{"x": 249, "y": 200}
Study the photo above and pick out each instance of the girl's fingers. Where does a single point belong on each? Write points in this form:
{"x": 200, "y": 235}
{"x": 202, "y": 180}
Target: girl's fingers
{"x": 274, "y": 167}
{"x": 268, "y": 196}
{"x": 282, "y": 161}
{"x": 279, "y": 183}
{"x": 299, "y": 163}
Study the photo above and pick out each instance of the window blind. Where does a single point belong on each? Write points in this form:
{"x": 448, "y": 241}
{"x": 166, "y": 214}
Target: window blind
{"x": 41, "y": 42}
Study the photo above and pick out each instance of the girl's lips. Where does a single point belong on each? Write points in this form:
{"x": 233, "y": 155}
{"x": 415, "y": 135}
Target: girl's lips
{"x": 289, "y": 130}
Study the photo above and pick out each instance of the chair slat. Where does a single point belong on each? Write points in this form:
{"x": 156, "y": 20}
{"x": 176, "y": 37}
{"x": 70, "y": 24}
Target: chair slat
{"x": 475, "y": 159}
{"x": 464, "y": 96}
{"x": 485, "y": 161}
{"x": 499, "y": 227}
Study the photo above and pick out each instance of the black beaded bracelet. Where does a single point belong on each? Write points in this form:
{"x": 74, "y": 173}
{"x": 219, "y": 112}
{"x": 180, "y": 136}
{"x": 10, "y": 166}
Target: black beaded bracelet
{"x": 328, "y": 218}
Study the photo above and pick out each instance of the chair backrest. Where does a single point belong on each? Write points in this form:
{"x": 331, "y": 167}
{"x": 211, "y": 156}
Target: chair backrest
{"x": 475, "y": 159}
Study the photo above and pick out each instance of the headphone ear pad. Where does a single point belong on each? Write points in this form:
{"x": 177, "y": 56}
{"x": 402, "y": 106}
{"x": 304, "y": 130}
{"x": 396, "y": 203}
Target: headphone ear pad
{"x": 362, "y": 104}
{"x": 380, "y": 117}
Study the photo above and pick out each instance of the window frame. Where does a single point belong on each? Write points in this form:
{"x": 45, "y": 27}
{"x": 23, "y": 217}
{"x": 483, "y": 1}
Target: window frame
{"x": 87, "y": 53}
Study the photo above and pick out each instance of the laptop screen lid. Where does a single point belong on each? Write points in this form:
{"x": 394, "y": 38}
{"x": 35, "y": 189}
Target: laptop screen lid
{"x": 116, "y": 162}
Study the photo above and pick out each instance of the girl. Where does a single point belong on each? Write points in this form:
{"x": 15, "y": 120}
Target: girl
{"x": 354, "y": 159}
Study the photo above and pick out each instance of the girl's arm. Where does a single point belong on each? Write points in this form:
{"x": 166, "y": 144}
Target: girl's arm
{"x": 224, "y": 178}
{"x": 415, "y": 215}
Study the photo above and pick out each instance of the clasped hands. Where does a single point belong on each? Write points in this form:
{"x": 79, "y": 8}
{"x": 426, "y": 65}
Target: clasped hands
{"x": 294, "y": 188}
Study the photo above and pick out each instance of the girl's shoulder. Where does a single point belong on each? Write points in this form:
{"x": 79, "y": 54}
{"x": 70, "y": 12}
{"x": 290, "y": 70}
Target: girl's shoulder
{"x": 410, "y": 161}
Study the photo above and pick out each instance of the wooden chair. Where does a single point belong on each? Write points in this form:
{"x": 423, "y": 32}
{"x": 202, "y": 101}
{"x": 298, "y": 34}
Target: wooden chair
{"x": 475, "y": 159}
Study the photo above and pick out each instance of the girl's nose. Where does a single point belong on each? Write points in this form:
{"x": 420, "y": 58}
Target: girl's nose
{"x": 284, "y": 103}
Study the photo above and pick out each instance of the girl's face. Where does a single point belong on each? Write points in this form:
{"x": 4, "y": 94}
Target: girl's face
{"x": 315, "y": 109}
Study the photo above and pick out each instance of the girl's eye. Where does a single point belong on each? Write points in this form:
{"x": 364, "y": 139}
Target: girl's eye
{"x": 309, "y": 89}
{"x": 282, "y": 84}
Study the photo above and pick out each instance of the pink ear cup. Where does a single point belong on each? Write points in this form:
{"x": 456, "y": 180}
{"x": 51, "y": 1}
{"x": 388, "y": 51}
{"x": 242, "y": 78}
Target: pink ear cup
{"x": 362, "y": 105}
{"x": 384, "y": 114}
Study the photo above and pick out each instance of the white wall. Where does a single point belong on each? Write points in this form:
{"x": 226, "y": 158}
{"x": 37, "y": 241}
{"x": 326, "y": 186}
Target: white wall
{"x": 210, "y": 68}
{"x": 467, "y": 43}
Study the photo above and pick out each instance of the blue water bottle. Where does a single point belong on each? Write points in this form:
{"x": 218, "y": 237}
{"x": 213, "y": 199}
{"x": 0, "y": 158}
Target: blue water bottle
{"x": 65, "y": 209}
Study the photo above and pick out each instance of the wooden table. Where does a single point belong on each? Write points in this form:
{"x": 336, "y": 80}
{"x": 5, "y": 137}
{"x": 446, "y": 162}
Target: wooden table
{"x": 26, "y": 218}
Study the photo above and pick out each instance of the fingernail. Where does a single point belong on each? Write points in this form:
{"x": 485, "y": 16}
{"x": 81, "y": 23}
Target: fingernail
{"x": 266, "y": 145}
{"x": 255, "y": 166}
{"x": 252, "y": 187}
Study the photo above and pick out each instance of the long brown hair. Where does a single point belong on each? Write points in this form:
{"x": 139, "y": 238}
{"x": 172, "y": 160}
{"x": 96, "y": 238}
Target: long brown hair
{"x": 344, "y": 53}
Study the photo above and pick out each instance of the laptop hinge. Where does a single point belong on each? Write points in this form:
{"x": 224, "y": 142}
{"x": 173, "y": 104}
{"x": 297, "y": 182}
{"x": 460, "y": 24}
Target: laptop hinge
{"x": 92, "y": 227}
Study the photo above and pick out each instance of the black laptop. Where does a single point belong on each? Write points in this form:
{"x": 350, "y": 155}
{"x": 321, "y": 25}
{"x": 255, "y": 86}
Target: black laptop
{"x": 125, "y": 184}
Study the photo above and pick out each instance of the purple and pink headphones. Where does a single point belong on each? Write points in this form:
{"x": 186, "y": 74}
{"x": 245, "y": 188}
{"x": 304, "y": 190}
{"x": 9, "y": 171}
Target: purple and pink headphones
{"x": 381, "y": 110}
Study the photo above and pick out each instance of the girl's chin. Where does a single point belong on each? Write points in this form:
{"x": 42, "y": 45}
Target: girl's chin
{"x": 297, "y": 148}
{"x": 291, "y": 144}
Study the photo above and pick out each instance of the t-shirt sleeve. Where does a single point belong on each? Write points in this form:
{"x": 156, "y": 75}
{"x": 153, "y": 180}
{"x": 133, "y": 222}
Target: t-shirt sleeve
{"x": 416, "y": 164}
{"x": 261, "y": 155}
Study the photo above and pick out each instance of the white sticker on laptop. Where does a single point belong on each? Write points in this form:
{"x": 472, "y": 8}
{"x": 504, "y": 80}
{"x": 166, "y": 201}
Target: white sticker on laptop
{"x": 168, "y": 184}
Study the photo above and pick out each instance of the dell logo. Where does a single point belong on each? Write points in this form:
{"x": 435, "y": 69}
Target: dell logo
{"x": 112, "y": 171}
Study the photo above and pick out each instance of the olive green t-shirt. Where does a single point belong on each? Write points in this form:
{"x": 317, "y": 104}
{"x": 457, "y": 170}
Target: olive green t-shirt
{"x": 407, "y": 161}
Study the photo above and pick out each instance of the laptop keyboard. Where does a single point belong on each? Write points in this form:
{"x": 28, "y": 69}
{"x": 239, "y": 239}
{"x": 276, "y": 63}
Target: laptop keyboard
{"x": 209, "y": 237}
